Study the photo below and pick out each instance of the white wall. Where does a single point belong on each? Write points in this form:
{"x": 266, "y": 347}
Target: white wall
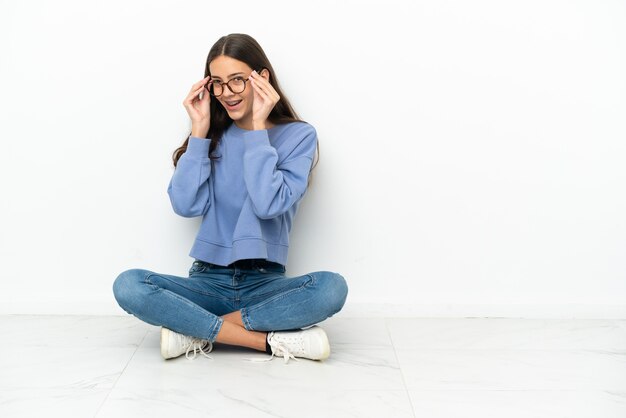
{"x": 471, "y": 153}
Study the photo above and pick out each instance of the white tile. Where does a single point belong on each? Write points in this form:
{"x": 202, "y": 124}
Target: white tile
{"x": 513, "y": 370}
{"x": 61, "y": 367}
{"x": 73, "y": 330}
{"x": 482, "y": 333}
{"x": 453, "y": 367}
{"x": 357, "y": 333}
{"x": 36, "y": 402}
{"x": 518, "y": 404}
{"x": 249, "y": 402}
{"x": 344, "y": 369}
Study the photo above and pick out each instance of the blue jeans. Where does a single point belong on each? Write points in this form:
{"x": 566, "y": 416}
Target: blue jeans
{"x": 268, "y": 300}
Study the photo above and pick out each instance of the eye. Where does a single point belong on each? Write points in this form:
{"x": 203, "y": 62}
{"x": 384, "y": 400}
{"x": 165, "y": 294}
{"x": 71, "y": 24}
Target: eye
{"x": 238, "y": 78}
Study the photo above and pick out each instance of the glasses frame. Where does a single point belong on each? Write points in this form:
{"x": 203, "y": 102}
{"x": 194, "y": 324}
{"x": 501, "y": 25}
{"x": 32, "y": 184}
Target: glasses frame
{"x": 245, "y": 80}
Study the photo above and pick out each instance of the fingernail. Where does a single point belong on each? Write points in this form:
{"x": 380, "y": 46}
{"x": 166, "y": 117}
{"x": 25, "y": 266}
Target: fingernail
{"x": 253, "y": 71}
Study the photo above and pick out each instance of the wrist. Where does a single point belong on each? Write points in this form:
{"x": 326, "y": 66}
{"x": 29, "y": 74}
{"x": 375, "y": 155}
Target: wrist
{"x": 199, "y": 130}
{"x": 258, "y": 125}
{"x": 200, "y": 133}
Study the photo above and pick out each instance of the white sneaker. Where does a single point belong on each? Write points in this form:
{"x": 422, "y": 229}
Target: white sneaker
{"x": 174, "y": 344}
{"x": 311, "y": 343}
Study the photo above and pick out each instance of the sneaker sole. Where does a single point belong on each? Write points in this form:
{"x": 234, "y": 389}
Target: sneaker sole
{"x": 165, "y": 340}
{"x": 323, "y": 338}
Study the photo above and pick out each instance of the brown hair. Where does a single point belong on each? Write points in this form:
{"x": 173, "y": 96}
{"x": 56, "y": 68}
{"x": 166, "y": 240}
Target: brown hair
{"x": 244, "y": 48}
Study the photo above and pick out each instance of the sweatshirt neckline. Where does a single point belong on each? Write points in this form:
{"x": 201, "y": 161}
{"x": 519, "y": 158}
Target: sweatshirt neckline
{"x": 236, "y": 128}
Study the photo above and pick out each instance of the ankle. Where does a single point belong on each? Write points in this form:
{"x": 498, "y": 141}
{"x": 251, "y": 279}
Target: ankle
{"x": 268, "y": 348}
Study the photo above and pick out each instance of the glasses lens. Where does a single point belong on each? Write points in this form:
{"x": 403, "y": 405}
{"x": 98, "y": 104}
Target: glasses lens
{"x": 237, "y": 85}
{"x": 216, "y": 88}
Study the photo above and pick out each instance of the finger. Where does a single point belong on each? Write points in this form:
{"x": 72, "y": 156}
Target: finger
{"x": 205, "y": 89}
{"x": 203, "y": 81}
{"x": 260, "y": 92}
{"x": 191, "y": 96}
{"x": 265, "y": 85}
{"x": 266, "y": 95}
{"x": 198, "y": 91}
{"x": 259, "y": 86}
{"x": 204, "y": 86}
{"x": 260, "y": 80}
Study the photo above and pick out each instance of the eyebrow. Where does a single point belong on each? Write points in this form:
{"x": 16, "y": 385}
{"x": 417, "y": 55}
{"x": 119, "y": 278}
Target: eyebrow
{"x": 230, "y": 75}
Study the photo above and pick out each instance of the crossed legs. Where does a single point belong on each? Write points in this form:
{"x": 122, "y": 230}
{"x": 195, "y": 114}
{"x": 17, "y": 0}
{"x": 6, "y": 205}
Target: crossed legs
{"x": 291, "y": 303}
{"x": 233, "y": 332}
{"x": 324, "y": 293}
{"x": 313, "y": 298}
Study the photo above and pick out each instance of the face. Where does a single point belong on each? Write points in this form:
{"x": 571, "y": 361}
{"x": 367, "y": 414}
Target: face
{"x": 224, "y": 69}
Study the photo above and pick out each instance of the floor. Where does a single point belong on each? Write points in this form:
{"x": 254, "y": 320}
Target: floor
{"x": 110, "y": 366}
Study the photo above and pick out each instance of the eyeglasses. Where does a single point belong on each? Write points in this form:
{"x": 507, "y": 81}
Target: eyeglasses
{"x": 236, "y": 85}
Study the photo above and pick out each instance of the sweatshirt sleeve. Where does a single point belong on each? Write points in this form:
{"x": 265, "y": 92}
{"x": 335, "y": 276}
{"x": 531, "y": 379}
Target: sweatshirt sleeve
{"x": 273, "y": 188}
{"x": 189, "y": 187}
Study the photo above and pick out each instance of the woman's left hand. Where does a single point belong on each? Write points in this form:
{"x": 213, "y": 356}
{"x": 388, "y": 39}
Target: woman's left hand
{"x": 265, "y": 98}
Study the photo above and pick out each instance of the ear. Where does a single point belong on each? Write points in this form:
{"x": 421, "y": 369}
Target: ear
{"x": 265, "y": 73}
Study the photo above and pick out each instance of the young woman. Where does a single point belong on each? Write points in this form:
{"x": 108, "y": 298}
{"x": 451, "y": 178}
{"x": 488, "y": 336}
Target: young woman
{"x": 244, "y": 169}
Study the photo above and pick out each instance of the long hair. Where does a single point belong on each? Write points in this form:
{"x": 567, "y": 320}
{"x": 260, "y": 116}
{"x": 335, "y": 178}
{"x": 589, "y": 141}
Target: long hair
{"x": 244, "y": 48}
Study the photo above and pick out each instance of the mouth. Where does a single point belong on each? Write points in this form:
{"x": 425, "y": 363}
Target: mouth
{"x": 232, "y": 105}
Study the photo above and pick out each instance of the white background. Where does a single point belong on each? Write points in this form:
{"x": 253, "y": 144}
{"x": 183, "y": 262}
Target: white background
{"x": 471, "y": 153}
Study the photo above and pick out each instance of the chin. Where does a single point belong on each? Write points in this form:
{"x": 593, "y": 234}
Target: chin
{"x": 236, "y": 115}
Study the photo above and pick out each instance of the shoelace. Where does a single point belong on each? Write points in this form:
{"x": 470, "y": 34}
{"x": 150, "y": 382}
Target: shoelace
{"x": 199, "y": 345}
{"x": 278, "y": 349}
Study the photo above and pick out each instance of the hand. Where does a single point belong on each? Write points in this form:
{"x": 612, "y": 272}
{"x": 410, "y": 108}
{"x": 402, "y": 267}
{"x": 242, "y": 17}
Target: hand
{"x": 199, "y": 108}
{"x": 265, "y": 98}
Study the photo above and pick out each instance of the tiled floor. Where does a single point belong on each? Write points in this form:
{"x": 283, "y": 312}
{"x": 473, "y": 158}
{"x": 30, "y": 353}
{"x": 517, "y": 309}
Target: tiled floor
{"x": 110, "y": 366}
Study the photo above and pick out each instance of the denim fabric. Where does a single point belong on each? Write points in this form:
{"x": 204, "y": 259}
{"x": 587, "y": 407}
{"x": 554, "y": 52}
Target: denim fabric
{"x": 267, "y": 298}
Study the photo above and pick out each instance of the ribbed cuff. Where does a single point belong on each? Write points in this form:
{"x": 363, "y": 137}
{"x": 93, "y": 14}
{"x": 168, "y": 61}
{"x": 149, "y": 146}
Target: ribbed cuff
{"x": 198, "y": 147}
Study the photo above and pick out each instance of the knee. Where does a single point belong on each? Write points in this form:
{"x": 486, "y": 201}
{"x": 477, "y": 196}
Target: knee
{"x": 335, "y": 290}
{"x": 125, "y": 288}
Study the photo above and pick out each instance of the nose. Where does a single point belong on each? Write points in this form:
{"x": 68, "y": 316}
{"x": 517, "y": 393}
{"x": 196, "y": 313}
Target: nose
{"x": 226, "y": 93}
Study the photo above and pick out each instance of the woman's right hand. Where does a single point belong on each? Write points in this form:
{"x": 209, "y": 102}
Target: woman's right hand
{"x": 199, "y": 108}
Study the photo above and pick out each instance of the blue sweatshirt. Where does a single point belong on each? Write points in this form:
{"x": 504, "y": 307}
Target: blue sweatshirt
{"x": 249, "y": 197}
